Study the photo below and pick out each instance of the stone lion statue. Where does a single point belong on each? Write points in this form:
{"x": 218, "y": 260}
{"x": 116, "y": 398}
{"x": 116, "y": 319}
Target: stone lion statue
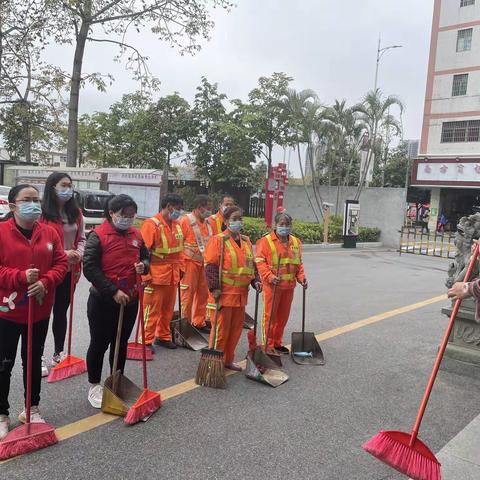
{"x": 468, "y": 229}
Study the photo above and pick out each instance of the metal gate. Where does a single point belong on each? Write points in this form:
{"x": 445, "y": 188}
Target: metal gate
{"x": 434, "y": 244}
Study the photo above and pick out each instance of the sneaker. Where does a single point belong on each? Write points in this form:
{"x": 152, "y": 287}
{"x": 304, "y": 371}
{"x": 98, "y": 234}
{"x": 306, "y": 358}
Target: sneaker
{"x": 282, "y": 349}
{"x": 4, "y": 424}
{"x": 57, "y": 358}
{"x": 233, "y": 366}
{"x": 151, "y": 348}
{"x": 204, "y": 329}
{"x": 44, "y": 367}
{"x": 35, "y": 416}
{"x": 165, "y": 343}
{"x": 95, "y": 395}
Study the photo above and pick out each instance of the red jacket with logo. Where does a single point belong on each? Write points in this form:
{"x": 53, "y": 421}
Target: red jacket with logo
{"x": 109, "y": 259}
{"x": 17, "y": 254}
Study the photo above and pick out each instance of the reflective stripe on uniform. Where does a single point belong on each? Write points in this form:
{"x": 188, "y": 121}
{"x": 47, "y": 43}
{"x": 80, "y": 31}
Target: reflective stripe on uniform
{"x": 285, "y": 260}
{"x": 183, "y": 286}
{"x": 164, "y": 249}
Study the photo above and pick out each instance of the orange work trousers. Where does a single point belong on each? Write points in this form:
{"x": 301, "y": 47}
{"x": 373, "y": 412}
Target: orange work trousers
{"x": 229, "y": 329}
{"x": 158, "y": 305}
{"x": 194, "y": 294}
{"x": 280, "y": 314}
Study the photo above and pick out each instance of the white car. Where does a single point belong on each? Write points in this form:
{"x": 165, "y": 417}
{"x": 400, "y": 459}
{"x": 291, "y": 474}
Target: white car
{"x": 4, "y": 200}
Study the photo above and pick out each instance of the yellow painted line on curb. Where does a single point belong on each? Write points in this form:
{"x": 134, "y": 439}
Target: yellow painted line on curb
{"x": 94, "y": 421}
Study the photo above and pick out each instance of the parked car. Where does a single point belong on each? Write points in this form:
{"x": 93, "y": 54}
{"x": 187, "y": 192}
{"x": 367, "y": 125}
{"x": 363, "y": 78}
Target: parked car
{"x": 92, "y": 203}
{"x": 4, "y": 200}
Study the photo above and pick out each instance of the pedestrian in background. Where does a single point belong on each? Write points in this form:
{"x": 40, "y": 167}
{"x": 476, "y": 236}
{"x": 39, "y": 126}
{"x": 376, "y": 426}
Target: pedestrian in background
{"x": 60, "y": 211}
{"x": 32, "y": 264}
{"x": 115, "y": 256}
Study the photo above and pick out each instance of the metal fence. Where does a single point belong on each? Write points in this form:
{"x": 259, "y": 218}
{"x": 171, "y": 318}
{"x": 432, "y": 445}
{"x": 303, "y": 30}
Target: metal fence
{"x": 256, "y": 207}
{"x": 434, "y": 244}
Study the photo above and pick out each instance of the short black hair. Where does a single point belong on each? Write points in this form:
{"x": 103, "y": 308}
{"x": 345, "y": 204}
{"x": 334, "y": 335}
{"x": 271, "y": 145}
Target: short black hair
{"x": 50, "y": 202}
{"x": 231, "y": 210}
{"x": 283, "y": 216}
{"x": 172, "y": 199}
{"x": 118, "y": 203}
{"x": 227, "y": 195}
{"x": 201, "y": 201}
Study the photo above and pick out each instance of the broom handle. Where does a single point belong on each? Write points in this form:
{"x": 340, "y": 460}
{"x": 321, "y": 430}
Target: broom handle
{"x": 255, "y": 319}
{"x": 441, "y": 351}
{"x": 179, "y": 300}
{"x": 217, "y": 302}
{"x": 142, "y": 326}
{"x": 117, "y": 346}
{"x": 70, "y": 313}
{"x": 273, "y": 305}
{"x": 28, "y": 393}
{"x": 303, "y": 319}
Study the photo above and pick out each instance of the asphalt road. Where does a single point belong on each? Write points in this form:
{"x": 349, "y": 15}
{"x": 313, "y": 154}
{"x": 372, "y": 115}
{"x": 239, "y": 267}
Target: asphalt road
{"x": 313, "y": 426}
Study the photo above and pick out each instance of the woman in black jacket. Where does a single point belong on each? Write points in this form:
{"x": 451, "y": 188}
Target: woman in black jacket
{"x": 115, "y": 256}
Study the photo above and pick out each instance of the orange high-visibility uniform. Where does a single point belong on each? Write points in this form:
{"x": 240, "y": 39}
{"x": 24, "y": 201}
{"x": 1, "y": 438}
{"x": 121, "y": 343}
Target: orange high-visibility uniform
{"x": 238, "y": 271}
{"x": 215, "y": 225}
{"x": 165, "y": 243}
{"x": 194, "y": 289}
{"x": 269, "y": 250}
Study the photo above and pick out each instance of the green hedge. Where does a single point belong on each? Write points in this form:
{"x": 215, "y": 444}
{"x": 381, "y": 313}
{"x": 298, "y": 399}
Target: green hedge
{"x": 307, "y": 232}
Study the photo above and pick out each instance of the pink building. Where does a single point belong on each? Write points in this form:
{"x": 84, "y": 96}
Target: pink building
{"x": 449, "y": 159}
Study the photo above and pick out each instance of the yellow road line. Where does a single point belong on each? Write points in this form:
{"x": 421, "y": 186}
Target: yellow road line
{"x": 94, "y": 421}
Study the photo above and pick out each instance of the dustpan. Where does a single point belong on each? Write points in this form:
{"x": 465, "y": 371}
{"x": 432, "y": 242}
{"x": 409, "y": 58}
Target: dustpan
{"x": 119, "y": 392}
{"x": 305, "y": 349}
{"x": 261, "y": 367}
{"x": 184, "y": 333}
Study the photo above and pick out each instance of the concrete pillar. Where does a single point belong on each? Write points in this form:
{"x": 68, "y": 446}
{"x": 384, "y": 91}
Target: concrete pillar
{"x": 434, "y": 208}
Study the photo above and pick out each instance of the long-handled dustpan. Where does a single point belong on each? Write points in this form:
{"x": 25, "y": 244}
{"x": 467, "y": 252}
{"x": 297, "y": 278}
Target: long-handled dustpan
{"x": 70, "y": 365}
{"x": 119, "y": 392}
{"x": 404, "y": 451}
{"x": 261, "y": 367}
{"x": 30, "y": 436}
{"x": 305, "y": 348}
{"x": 184, "y": 333}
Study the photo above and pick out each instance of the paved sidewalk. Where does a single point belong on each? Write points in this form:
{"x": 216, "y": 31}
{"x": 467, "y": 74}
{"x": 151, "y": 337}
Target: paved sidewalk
{"x": 460, "y": 458}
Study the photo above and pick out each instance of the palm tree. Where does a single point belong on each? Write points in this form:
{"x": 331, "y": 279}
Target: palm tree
{"x": 303, "y": 111}
{"x": 375, "y": 113}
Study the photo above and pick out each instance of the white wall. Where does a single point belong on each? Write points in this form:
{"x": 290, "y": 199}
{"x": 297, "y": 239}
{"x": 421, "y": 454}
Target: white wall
{"x": 435, "y": 147}
{"x": 447, "y": 55}
{"x": 452, "y": 14}
{"x": 383, "y": 208}
{"x": 443, "y": 102}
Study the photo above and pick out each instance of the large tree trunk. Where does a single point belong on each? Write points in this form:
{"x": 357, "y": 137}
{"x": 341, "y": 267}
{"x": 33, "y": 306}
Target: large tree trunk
{"x": 72, "y": 146}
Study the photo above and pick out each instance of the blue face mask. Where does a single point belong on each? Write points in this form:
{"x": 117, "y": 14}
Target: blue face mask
{"x": 64, "y": 195}
{"x": 235, "y": 225}
{"x": 283, "y": 231}
{"x": 175, "y": 214}
{"x": 122, "y": 223}
{"x": 29, "y": 211}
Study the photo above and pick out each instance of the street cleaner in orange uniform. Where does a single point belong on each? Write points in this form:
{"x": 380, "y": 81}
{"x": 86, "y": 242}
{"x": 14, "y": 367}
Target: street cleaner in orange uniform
{"x": 194, "y": 289}
{"x": 163, "y": 237}
{"x": 238, "y": 272}
{"x": 216, "y": 224}
{"x": 279, "y": 244}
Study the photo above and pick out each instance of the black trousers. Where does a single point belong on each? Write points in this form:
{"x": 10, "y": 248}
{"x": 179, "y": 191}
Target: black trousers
{"x": 103, "y": 322}
{"x": 60, "y": 307}
{"x": 10, "y": 333}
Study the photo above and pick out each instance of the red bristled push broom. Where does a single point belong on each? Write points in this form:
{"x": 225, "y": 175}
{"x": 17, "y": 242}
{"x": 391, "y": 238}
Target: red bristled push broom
{"x": 403, "y": 451}
{"x": 30, "y": 436}
{"x": 70, "y": 365}
{"x": 135, "y": 349}
{"x": 149, "y": 401}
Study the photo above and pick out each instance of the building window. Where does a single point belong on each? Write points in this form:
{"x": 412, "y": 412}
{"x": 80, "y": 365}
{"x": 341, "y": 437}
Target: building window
{"x": 464, "y": 40}
{"x": 459, "y": 86}
{"x": 465, "y": 131}
{"x": 466, "y": 3}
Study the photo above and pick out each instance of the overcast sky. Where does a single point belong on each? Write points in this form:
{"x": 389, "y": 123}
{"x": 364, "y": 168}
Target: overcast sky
{"x": 326, "y": 45}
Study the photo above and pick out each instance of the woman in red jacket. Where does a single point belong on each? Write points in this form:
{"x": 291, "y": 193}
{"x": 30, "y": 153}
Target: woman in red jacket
{"x": 114, "y": 257}
{"x": 32, "y": 264}
{"x": 60, "y": 211}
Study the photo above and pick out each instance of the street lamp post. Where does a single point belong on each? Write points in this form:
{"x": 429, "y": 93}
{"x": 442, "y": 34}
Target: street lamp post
{"x": 380, "y": 52}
